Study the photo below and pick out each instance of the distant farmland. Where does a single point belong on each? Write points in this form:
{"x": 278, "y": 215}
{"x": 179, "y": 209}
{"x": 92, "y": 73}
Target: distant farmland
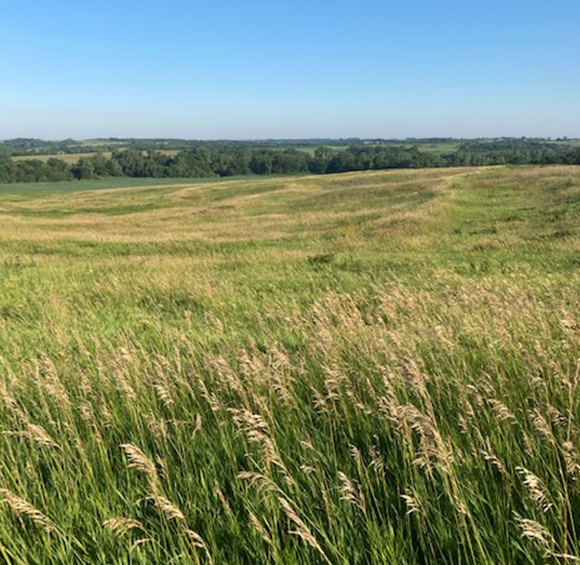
{"x": 70, "y": 158}
{"x": 73, "y": 158}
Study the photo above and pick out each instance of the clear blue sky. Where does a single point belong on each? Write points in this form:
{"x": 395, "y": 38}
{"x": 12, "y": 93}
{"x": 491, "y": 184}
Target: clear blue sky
{"x": 265, "y": 68}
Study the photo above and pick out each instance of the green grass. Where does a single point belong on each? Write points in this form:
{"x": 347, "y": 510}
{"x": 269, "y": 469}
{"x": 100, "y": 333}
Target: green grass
{"x": 350, "y": 369}
{"x": 83, "y": 185}
{"x": 102, "y": 184}
{"x": 439, "y": 148}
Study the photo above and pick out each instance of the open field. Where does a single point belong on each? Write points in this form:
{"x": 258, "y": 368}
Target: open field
{"x": 73, "y": 158}
{"x": 439, "y": 148}
{"x": 70, "y": 158}
{"x": 36, "y": 189}
{"x": 377, "y": 367}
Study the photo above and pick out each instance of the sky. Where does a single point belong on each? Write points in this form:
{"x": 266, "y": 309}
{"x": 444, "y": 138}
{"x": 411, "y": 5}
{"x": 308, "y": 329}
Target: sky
{"x": 257, "y": 69}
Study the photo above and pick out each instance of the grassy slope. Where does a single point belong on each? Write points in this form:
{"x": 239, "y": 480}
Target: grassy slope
{"x": 369, "y": 367}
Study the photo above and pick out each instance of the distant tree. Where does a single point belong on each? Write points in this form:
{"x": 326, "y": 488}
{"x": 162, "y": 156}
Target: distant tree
{"x": 7, "y": 170}
{"x": 319, "y": 162}
{"x": 100, "y": 165}
{"x": 31, "y": 170}
{"x": 261, "y": 162}
{"x": 5, "y": 150}
{"x": 58, "y": 170}
{"x": 113, "y": 168}
{"x": 131, "y": 161}
{"x": 289, "y": 161}
{"x": 342, "y": 162}
{"x": 196, "y": 162}
{"x": 573, "y": 157}
{"x": 84, "y": 169}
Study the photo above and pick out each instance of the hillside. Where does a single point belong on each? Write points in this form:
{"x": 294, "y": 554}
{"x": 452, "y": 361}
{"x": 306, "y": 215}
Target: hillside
{"x": 371, "y": 367}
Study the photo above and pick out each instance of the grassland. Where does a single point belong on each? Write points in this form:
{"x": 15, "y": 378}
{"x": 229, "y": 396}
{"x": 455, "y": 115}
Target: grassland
{"x": 350, "y": 369}
{"x": 69, "y": 158}
{"x": 36, "y": 189}
{"x": 73, "y": 158}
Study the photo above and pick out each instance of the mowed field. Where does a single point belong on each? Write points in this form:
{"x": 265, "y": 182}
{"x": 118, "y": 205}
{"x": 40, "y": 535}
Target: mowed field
{"x": 70, "y": 158}
{"x": 378, "y": 367}
{"x": 73, "y": 158}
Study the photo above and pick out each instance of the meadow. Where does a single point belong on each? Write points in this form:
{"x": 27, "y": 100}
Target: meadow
{"x": 69, "y": 158}
{"x": 377, "y": 367}
{"x": 73, "y": 158}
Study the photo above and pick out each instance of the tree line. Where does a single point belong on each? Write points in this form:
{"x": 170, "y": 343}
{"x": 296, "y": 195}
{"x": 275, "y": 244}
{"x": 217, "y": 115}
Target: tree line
{"x": 233, "y": 159}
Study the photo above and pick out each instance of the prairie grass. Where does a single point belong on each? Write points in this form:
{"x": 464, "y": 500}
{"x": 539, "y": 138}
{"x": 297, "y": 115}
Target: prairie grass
{"x": 363, "y": 368}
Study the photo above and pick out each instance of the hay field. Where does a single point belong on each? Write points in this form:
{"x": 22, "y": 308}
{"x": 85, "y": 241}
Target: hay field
{"x": 73, "y": 158}
{"x": 69, "y": 158}
{"x": 359, "y": 368}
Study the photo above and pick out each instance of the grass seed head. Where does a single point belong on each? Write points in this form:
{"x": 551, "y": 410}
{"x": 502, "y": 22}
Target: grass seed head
{"x": 535, "y": 531}
{"x": 36, "y": 434}
{"x": 536, "y": 488}
{"x": 167, "y": 508}
{"x": 138, "y": 460}
{"x": 21, "y": 507}
{"x": 120, "y": 526}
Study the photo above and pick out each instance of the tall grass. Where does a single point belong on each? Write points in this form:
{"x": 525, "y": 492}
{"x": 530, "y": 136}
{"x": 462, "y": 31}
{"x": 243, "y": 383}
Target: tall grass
{"x": 299, "y": 400}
